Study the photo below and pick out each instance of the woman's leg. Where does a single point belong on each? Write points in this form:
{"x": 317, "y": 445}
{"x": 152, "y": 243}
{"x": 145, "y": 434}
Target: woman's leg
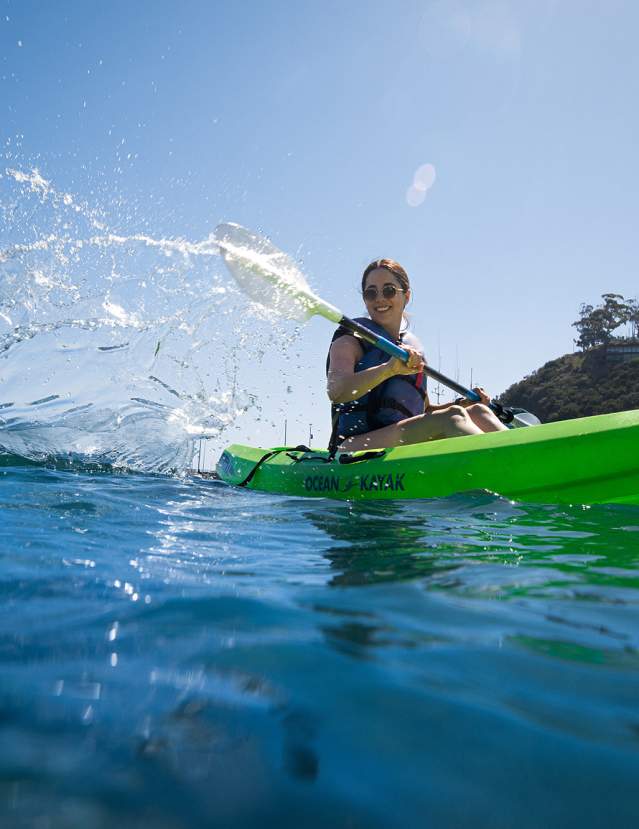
{"x": 483, "y": 417}
{"x": 443, "y": 423}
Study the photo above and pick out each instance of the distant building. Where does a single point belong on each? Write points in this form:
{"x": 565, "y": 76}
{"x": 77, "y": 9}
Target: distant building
{"x": 622, "y": 352}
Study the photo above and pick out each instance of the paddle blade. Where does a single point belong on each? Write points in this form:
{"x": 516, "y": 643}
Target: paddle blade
{"x": 268, "y": 275}
{"x": 524, "y": 418}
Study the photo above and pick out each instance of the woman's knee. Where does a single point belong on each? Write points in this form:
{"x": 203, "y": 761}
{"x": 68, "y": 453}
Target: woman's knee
{"x": 459, "y": 422}
{"x": 458, "y": 413}
{"x": 484, "y": 417}
{"x": 480, "y": 409}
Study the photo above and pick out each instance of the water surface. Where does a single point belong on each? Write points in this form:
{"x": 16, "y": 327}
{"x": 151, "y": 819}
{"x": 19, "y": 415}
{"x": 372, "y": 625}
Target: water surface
{"x": 178, "y": 653}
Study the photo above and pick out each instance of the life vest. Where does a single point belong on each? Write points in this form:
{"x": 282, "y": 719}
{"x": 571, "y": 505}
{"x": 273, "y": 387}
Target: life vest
{"x": 395, "y": 399}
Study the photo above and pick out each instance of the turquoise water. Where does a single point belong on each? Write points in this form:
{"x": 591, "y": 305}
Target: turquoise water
{"x": 179, "y": 653}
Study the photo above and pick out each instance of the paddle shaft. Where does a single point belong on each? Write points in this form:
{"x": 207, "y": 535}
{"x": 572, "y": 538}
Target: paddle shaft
{"x": 394, "y": 350}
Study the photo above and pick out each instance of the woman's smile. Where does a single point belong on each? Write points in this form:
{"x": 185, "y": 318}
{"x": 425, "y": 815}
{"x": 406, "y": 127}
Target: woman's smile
{"x": 385, "y": 299}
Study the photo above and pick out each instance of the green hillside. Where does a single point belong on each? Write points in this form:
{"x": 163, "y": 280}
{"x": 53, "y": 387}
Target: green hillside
{"x": 577, "y": 385}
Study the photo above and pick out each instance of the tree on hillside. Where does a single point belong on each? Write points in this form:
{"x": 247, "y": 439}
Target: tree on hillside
{"x": 633, "y": 317}
{"x": 596, "y": 325}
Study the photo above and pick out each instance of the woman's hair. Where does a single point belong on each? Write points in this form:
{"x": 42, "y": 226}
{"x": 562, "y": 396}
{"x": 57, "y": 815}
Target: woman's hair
{"x": 391, "y": 266}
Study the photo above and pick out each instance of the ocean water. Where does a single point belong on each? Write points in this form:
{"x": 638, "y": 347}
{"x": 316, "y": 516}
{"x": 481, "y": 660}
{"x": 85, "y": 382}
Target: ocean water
{"x": 179, "y": 653}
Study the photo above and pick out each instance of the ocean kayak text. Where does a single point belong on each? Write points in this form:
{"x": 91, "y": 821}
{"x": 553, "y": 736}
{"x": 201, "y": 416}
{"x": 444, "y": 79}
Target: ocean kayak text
{"x": 365, "y": 483}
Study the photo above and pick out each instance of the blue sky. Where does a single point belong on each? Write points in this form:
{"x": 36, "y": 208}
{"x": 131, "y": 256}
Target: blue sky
{"x": 308, "y": 121}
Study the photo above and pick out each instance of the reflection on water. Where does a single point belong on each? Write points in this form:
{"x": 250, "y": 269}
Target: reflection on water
{"x": 548, "y": 562}
{"x": 377, "y": 543}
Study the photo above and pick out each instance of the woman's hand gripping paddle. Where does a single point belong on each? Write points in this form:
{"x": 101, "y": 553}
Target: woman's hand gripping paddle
{"x": 271, "y": 278}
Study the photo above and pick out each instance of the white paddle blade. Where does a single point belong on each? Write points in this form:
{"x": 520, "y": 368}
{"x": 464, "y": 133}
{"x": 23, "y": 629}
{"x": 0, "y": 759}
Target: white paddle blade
{"x": 267, "y": 275}
{"x": 524, "y": 418}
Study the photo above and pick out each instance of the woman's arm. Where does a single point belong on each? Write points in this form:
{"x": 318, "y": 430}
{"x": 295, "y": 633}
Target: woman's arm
{"x": 345, "y": 384}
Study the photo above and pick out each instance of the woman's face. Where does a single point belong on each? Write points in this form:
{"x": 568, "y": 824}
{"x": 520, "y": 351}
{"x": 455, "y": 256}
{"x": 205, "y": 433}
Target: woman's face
{"x": 384, "y": 310}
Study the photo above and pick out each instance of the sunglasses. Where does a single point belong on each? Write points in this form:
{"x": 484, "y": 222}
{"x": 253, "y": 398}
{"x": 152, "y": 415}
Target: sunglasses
{"x": 388, "y": 291}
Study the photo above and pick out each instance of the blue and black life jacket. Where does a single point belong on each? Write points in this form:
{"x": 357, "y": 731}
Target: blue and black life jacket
{"x": 395, "y": 399}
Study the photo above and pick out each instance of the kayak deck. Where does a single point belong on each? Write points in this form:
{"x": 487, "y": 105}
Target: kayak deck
{"x": 584, "y": 461}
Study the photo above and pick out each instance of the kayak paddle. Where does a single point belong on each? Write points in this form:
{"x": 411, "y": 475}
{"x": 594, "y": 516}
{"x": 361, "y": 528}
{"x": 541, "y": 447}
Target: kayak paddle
{"x": 271, "y": 278}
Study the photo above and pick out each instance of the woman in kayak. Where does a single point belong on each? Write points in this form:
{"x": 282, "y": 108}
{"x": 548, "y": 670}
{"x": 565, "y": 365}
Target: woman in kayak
{"x": 379, "y": 402}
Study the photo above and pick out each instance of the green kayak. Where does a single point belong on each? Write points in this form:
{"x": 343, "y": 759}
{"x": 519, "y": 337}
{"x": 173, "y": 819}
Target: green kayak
{"x": 591, "y": 460}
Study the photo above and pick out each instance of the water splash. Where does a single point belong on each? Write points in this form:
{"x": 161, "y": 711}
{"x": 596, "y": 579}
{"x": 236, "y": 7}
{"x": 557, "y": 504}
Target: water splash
{"x": 115, "y": 347}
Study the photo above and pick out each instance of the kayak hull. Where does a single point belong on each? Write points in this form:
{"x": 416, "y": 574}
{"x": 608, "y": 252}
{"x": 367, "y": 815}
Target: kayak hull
{"x": 584, "y": 461}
